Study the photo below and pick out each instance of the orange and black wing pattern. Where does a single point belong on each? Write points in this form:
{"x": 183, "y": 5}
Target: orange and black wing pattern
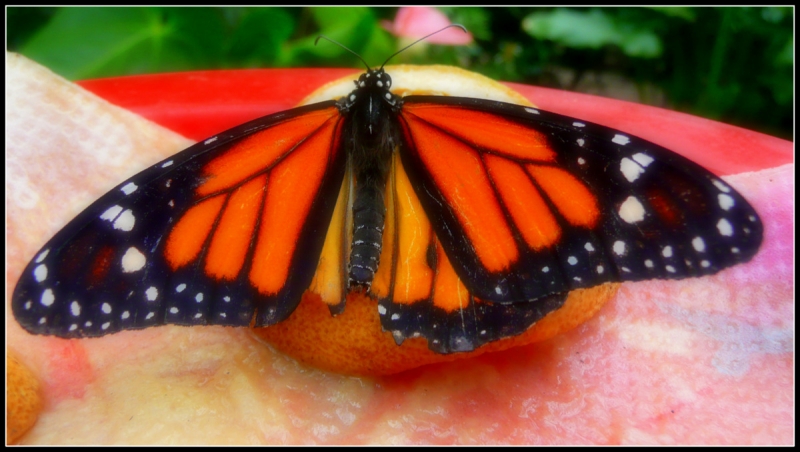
{"x": 500, "y": 209}
{"x": 227, "y": 232}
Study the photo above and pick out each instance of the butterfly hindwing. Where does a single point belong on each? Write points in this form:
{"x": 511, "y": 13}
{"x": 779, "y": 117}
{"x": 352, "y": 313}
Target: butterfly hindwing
{"x": 529, "y": 203}
{"x": 227, "y": 232}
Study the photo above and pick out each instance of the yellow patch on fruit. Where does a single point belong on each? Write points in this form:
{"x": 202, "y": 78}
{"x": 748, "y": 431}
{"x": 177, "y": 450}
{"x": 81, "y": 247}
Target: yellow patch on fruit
{"x": 354, "y": 342}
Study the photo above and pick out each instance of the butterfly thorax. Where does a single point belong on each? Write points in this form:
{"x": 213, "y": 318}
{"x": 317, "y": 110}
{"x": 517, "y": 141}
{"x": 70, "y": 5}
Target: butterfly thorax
{"x": 371, "y": 135}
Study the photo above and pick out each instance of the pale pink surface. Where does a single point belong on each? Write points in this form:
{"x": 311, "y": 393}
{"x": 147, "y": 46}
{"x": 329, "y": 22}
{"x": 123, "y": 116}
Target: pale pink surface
{"x": 707, "y": 360}
{"x": 417, "y": 21}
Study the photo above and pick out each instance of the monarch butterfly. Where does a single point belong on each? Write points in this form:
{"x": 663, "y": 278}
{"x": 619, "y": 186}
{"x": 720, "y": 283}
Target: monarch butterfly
{"x": 468, "y": 220}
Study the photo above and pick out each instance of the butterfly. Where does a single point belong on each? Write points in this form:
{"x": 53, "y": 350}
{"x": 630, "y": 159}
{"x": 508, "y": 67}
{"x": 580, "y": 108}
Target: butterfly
{"x": 467, "y": 220}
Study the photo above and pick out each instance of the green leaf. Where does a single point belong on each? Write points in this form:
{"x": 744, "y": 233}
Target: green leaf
{"x": 786, "y": 56}
{"x": 98, "y": 42}
{"x": 592, "y": 30}
{"x": 260, "y": 36}
{"x": 681, "y": 12}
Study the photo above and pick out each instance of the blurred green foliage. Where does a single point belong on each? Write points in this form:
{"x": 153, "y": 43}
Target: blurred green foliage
{"x": 730, "y": 64}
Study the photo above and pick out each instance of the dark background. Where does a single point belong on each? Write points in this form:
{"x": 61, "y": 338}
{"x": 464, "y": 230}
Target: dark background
{"x": 730, "y": 64}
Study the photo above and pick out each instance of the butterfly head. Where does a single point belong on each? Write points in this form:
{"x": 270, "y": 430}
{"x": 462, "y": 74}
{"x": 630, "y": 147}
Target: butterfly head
{"x": 375, "y": 84}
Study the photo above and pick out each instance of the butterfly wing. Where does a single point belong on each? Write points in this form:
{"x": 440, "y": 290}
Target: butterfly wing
{"x": 226, "y": 232}
{"x": 419, "y": 292}
{"x": 526, "y": 205}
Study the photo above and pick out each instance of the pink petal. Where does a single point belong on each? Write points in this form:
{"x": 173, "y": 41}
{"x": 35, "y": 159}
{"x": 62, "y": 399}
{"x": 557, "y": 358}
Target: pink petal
{"x": 416, "y": 22}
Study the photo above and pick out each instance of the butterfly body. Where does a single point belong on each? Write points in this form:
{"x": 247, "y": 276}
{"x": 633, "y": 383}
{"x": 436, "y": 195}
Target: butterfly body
{"x": 372, "y": 138}
{"x": 468, "y": 220}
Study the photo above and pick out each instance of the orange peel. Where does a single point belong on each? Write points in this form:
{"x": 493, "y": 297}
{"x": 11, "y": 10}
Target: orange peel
{"x": 23, "y": 398}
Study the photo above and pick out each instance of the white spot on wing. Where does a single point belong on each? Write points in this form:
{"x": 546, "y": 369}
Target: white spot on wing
{"x": 180, "y": 288}
{"x": 150, "y": 315}
{"x": 578, "y": 124}
{"x": 699, "y": 244}
{"x": 47, "y": 298}
{"x": 725, "y": 227}
{"x": 600, "y": 269}
{"x": 210, "y": 140}
{"x": 166, "y": 164}
{"x": 670, "y": 268}
{"x": 667, "y": 251}
{"x": 111, "y": 213}
{"x": 173, "y": 310}
{"x": 619, "y": 248}
{"x": 588, "y": 247}
{"x": 125, "y": 221}
{"x": 630, "y": 169}
{"x": 42, "y": 255}
{"x": 151, "y": 293}
{"x": 581, "y": 142}
{"x": 722, "y": 187}
{"x": 532, "y": 110}
{"x": 381, "y": 310}
{"x": 75, "y": 308}
{"x": 648, "y": 263}
{"x": 199, "y": 297}
{"x": 106, "y": 308}
{"x": 40, "y": 272}
{"x": 105, "y": 325}
{"x": 125, "y": 315}
{"x": 581, "y": 161}
{"x": 725, "y": 201}
{"x": 621, "y": 139}
{"x": 129, "y": 188}
{"x": 572, "y": 260}
{"x": 631, "y": 210}
{"x": 133, "y": 260}
{"x": 642, "y": 159}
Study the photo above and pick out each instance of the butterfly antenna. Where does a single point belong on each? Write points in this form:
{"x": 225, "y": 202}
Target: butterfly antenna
{"x": 422, "y": 39}
{"x": 342, "y": 46}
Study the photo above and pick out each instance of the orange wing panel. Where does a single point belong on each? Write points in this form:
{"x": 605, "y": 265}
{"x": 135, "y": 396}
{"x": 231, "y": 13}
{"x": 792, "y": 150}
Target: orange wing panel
{"x": 233, "y": 235}
{"x": 459, "y": 174}
{"x": 572, "y": 199}
{"x": 291, "y": 189}
{"x": 449, "y": 292}
{"x": 413, "y": 277}
{"x": 329, "y": 277}
{"x": 259, "y": 151}
{"x": 187, "y": 237}
{"x": 531, "y": 214}
{"x": 486, "y": 131}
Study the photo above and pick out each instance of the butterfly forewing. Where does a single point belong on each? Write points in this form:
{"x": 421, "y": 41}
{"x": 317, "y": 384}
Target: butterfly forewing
{"x": 541, "y": 203}
{"x": 226, "y": 232}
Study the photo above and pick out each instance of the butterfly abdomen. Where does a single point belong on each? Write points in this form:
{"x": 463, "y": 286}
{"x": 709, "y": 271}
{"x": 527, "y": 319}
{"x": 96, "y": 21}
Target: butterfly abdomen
{"x": 369, "y": 213}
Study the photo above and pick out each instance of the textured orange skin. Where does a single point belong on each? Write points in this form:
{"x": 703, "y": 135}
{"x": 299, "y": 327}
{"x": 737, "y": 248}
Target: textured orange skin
{"x": 354, "y": 343}
{"x": 23, "y": 401}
